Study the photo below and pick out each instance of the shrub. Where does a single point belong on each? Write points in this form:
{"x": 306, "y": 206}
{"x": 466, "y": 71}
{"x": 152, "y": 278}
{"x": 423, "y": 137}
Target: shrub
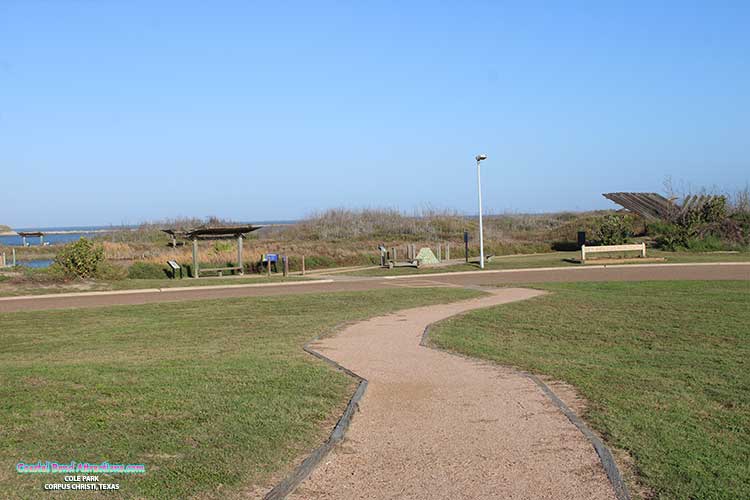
{"x": 668, "y": 236}
{"x": 80, "y": 259}
{"x": 614, "y": 229}
{"x": 111, "y": 272}
{"x": 147, "y": 270}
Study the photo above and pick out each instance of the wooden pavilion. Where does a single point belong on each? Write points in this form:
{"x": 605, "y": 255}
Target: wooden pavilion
{"x": 213, "y": 233}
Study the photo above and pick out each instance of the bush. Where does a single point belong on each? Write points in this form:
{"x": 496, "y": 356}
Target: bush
{"x": 614, "y": 229}
{"x": 668, "y": 236}
{"x": 147, "y": 270}
{"x": 80, "y": 259}
{"x": 111, "y": 272}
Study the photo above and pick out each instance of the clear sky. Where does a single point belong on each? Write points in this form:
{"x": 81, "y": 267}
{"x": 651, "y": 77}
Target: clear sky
{"x": 126, "y": 111}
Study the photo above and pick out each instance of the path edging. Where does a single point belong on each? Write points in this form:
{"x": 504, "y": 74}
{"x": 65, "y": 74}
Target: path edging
{"x": 605, "y": 455}
{"x": 305, "y": 468}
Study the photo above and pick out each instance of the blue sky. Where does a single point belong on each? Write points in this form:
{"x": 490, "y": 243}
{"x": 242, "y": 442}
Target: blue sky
{"x": 121, "y": 112}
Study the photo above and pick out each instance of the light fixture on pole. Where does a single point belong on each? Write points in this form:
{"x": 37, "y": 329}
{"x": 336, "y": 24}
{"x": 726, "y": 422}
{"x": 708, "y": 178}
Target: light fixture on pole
{"x": 479, "y": 158}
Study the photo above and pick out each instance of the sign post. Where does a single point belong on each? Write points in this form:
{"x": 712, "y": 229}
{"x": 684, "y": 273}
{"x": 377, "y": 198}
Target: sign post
{"x": 466, "y": 245}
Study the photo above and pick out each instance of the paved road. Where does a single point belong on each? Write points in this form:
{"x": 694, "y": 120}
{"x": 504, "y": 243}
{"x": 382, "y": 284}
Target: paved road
{"x": 643, "y": 272}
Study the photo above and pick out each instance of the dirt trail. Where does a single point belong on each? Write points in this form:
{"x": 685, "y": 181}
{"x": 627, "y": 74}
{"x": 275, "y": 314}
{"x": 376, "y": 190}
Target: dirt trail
{"x": 433, "y": 425}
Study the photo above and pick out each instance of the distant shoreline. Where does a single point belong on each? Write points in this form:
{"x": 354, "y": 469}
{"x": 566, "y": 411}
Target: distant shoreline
{"x": 66, "y": 231}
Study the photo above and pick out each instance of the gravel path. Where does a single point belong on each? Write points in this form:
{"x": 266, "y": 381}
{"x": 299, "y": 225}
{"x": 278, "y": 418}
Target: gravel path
{"x": 433, "y": 425}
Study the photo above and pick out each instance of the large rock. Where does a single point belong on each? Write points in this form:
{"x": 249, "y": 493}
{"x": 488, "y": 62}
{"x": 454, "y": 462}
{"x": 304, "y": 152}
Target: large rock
{"x": 426, "y": 257}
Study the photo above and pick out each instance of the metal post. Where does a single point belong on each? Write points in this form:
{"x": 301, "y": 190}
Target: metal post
{"x": 481, "y": 235}
{"x": 196, "y": 271}
{"x": 466, "y": 245}
{"x": 239, "y": 253}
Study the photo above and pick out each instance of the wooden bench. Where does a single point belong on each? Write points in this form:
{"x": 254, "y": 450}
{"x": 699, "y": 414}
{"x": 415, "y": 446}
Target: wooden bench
{"x": 221, "y": 270}
{"x": 585, "y": 250}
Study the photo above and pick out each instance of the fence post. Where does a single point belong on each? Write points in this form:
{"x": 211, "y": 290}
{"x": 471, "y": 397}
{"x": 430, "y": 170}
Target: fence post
{"x": 239, "y": 253}
{"x": 643, "y": 250}
{"x": 583, "y": 253}
{"x": 196, "y": 271}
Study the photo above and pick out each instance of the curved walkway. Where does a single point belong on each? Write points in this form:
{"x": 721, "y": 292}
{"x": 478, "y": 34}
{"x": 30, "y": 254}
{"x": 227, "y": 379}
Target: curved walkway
{"x": 433, "y": 425}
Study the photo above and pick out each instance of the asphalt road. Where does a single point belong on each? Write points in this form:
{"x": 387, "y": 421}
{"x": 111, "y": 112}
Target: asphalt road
{"x": 643, "y": 272}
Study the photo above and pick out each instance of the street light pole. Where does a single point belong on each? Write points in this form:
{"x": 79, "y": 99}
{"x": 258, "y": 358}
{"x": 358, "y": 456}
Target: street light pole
{"x": 479, "y": 159}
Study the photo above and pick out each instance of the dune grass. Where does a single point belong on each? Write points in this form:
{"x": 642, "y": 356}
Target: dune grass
{"x": 663, "y": 365}
{"x": 214, "y": 397}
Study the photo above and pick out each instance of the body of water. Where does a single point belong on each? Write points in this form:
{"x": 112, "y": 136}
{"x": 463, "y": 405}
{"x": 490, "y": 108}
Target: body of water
{"x": 71, "y": 234}
{"x": 75, "y": 232}
{"x": 38, "y": 264}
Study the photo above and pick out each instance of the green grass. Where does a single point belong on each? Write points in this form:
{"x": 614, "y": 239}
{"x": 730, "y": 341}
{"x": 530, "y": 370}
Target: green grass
{"x": 9, "y": 289}
{"x": 213, "y": 396}
{"x": 664, "y": 366}
{"x": 555, "y": 259}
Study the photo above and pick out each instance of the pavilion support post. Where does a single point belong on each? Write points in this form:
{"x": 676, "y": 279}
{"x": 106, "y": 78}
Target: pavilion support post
{"x": 239, "y": 253}
{"x": 440, "y": 252}
{"x": 196, "y": 271}
{"x": 286, "y": 266}
{"x": 13, "y": 250}
{"x": 303, "y": 265}
{"x": 447, "y": 251}
{"x": 268, "y": 265}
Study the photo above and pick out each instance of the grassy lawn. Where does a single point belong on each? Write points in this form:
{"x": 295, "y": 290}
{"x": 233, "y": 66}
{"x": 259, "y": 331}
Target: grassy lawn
{"x": 9, "y": 289}
{"x": 554, "y": 259}
{"x": 212, "y": 396}
{"x": 664, "y": 366}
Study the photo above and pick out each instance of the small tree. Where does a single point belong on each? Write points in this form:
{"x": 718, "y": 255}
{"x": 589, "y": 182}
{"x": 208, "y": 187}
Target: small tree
{"x": 81, "y": 259}
{"x": 614, "y": 229}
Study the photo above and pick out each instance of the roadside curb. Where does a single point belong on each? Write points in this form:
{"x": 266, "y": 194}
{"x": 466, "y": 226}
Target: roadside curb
{"x": 305, "y": 468}
{"x": 605, "y": 455}
{"x": 161, "y": 290}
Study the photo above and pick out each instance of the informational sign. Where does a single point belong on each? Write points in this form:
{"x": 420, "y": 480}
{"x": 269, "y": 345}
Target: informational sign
{"x": 174, "y": 265}
{"x": 271, "y": 257}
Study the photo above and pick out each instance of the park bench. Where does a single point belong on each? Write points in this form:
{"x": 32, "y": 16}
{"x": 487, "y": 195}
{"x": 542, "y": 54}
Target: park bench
{"x": 220, "y": 270}
{"x": 585, "y": 250}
